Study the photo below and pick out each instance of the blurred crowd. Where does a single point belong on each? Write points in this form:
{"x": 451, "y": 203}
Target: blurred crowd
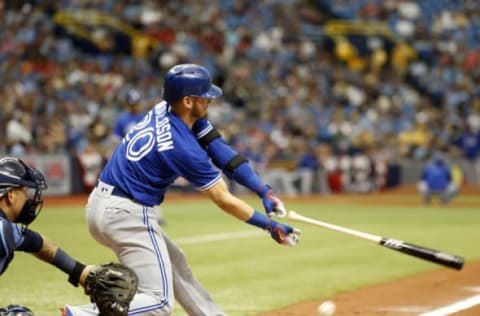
{"x": 300, "y": 98}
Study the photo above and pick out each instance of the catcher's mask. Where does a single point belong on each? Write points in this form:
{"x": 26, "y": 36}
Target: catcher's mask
{"x": 14, "y": 173}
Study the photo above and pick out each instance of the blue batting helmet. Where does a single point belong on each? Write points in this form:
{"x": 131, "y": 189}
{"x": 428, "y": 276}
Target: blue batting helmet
{"x": 189, "y": 80}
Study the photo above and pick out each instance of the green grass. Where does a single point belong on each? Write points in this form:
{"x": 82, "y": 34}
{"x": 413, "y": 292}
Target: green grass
{"x": 253, "y": 274}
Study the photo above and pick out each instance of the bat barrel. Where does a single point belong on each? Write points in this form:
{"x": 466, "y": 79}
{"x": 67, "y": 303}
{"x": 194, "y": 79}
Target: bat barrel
{"x": 428, "y": 254}
{"x": 424, "y": 253}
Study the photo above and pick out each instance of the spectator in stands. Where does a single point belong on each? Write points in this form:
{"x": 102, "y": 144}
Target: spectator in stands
{"x": 469, "y": 144}
{"x": 307, "y": 169}
{"x": 323, "y": 152}
{"x": 19, "y": 136}
{"x": 277, "y": 62}
{"x": 91, "y": 163}
{"x": 436, "y": 180}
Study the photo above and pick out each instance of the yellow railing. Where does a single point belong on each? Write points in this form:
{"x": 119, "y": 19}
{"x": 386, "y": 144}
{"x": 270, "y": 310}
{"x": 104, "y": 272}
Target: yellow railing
{"x": 79, "y": 23}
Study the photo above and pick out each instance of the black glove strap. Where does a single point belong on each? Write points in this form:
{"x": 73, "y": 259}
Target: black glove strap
{"x": 74, "y": 276}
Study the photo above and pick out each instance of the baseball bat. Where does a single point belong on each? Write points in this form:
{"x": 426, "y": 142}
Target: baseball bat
{"x": 424, "y": 253}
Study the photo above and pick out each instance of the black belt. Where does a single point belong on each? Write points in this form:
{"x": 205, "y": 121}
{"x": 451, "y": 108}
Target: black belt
{"x": 120, "y": 193}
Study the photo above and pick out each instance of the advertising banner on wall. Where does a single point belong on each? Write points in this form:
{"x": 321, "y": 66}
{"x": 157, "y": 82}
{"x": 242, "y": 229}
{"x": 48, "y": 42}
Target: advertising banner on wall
{"x": 57, "y": 172}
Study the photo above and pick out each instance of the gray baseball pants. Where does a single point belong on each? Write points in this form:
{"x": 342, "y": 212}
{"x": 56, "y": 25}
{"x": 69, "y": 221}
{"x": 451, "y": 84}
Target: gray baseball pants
{"x": 131, "y": 230}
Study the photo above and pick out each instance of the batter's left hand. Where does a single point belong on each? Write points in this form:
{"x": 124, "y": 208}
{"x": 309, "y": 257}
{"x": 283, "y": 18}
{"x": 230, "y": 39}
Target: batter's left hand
{"x": 284, "y": 234}
{"x": 272, "y": 204}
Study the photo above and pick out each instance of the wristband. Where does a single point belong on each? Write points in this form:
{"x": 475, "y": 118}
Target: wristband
{"x": 259, "y": 220}
{"x": 63, "y": 261}
{"x": 74, "y": 276}
{"x": 263, "y": 189}
{"x": 68, "y": 265}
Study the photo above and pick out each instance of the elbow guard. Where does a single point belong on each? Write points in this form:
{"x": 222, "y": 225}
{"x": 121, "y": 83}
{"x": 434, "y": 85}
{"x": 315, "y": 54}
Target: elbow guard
{"x": 222, "y": 155}
{"x": 225, "y": 157}
{"x": 233, "y": 165}
{"x": 207, "y": 138}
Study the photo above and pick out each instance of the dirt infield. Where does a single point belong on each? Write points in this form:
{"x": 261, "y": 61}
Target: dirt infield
{"x": 410, "y": 296}
{"x": 439, "y": 293}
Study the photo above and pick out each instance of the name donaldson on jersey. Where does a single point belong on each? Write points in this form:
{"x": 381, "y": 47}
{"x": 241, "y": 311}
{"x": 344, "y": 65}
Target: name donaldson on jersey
{"x": 162, "y": 129}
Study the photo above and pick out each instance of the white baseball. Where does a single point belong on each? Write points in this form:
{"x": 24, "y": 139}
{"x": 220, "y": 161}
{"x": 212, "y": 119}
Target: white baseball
{"x": 327, "y": 308}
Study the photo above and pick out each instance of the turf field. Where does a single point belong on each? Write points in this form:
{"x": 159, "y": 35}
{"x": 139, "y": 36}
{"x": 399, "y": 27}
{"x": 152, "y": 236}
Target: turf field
{"x": 245, "y": 270}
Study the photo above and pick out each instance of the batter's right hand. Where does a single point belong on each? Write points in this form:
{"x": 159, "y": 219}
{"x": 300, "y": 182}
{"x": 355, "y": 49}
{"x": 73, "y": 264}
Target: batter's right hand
{"x": 272, "y": 204}
{"x": 284, "y": 234}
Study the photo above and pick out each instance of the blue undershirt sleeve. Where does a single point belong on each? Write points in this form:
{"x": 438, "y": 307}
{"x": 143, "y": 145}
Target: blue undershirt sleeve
{"x": 221, "y": 154}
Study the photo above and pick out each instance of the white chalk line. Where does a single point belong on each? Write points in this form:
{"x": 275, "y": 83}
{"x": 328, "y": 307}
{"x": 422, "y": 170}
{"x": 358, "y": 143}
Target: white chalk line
{"x": 410, "y": 310}
{"x": 218, "y": 237}
{"x": 454, "y": 308}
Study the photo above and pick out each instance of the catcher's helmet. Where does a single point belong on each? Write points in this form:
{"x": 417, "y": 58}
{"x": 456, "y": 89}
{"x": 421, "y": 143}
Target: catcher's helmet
{"x": 15, "y": 173}
{"x": 16, "y": 310}
{"x": 189, "y": 80}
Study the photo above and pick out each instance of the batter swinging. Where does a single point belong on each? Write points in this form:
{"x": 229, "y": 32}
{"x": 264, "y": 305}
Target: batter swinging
{"x": 174, "y": 139}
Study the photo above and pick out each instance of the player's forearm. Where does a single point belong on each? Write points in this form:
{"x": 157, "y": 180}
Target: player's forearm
{"x": 48, "y": 250}
{"x": 229, "y": 203}
{"x": 56, "y": 256}
{"x": 236, "y": 208}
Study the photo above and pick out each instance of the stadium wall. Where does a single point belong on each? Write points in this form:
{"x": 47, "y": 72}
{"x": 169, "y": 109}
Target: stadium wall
{"x": 64, "y": 176}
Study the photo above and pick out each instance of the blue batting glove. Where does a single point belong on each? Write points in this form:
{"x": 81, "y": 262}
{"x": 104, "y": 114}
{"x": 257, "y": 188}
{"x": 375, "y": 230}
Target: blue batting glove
{"x": 272, "y": 204}
{"x": 283, "y": 234}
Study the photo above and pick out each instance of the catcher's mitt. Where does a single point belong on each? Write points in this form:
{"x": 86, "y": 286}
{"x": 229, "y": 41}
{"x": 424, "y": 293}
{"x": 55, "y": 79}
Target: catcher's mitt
{"x": 111, "y": 287}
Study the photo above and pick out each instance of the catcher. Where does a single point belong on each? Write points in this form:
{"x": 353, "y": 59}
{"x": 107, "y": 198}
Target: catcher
{"x": 111, "y": 286}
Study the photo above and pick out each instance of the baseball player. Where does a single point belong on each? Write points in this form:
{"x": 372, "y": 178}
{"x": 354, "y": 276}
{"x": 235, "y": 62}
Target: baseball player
{"x": 436, "y": 180}
{"x": 174, "y": 139}
{"x": 21, "y": 189}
